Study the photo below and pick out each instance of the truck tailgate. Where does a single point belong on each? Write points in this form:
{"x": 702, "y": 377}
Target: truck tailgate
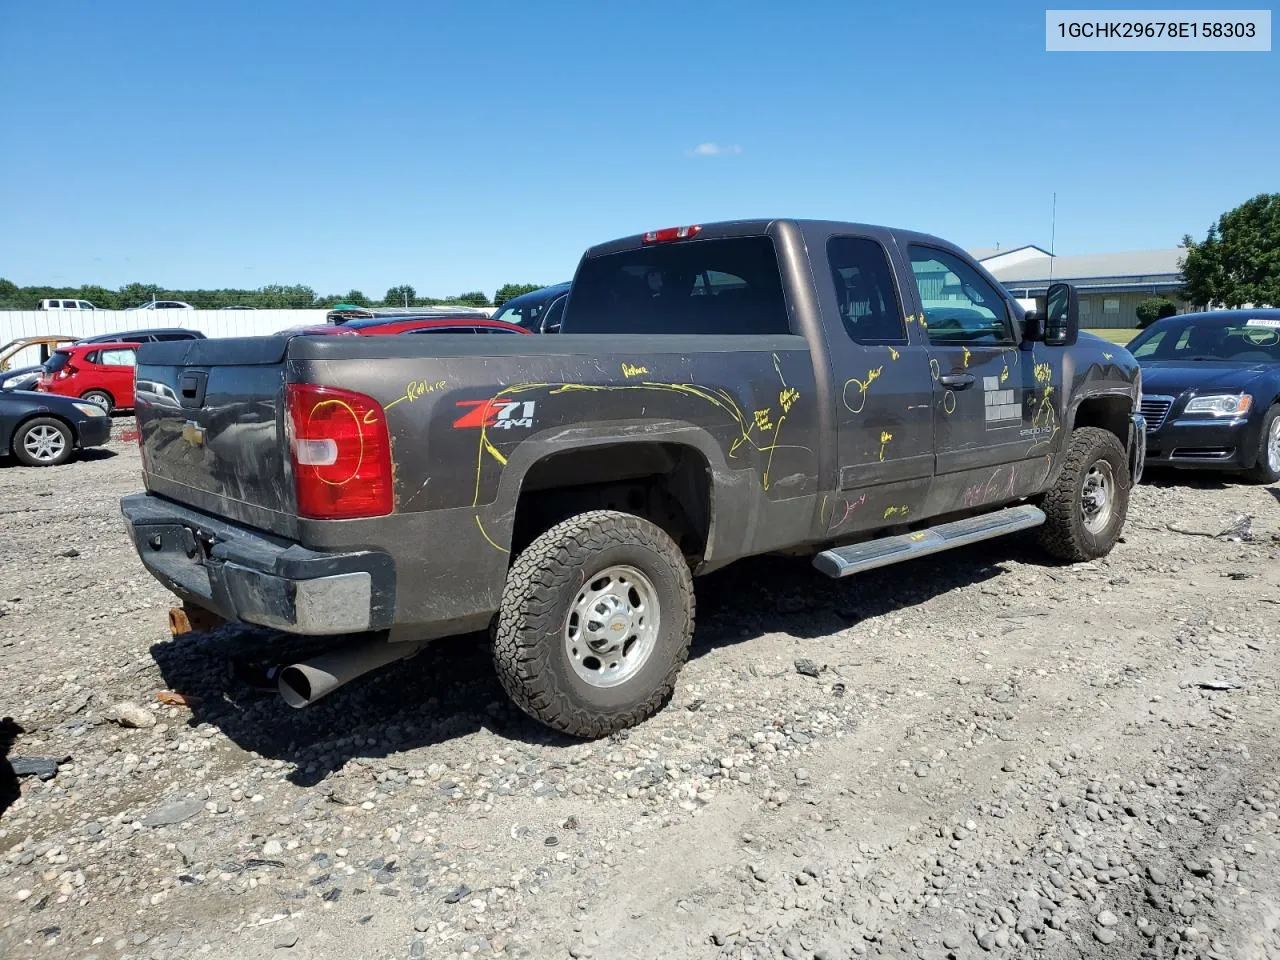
{"x": 211, "y": 419}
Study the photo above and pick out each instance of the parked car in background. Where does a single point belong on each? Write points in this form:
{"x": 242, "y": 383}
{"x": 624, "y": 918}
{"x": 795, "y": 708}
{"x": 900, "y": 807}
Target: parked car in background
{"x": 390, "y": 326}
{"x": 163, "y": 305}
{"x": 1211, "y": 391}
{"x": 146, "y": 335}
{"x": 65, "y": 304}
{"x": 24, "y": 376}
{"x": 43, "y": 431}
{"x": 100, "y": 373}
{"x": 346, "y": 311}
{"x": 237, "y": 308}
{"x": 539, "y": 311}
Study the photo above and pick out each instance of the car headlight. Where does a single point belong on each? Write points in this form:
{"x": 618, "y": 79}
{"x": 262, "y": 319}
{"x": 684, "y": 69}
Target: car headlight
{"x": 11, "y": 383}
{"x": 1221, "y": 405}
{"x": 90, "y": 409}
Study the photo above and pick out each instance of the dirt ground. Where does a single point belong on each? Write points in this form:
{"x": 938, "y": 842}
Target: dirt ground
{"x": 997, "y": 755}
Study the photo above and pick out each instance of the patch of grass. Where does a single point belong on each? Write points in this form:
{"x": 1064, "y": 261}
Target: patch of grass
{"x": 1116, "y": 336}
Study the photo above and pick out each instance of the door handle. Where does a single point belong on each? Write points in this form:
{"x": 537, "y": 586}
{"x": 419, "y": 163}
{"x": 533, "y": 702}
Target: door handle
{"x": 956, "y": 381}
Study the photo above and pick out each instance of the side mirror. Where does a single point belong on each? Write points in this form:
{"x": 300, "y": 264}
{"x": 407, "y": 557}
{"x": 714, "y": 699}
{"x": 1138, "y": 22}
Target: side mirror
{"x": 1062, "y": 316}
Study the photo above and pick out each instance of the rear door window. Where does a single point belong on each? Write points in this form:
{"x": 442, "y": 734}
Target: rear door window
{"x": 722, "y": 287}
{"x": 118, "y": 358}
{"x": 868, "y": 301}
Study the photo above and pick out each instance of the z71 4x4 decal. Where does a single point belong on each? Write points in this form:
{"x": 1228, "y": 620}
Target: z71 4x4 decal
{"x": 500, "y": 413}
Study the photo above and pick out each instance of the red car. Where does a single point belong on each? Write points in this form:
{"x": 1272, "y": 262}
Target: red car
{"x": 387, "y": 326}
{"x": 101, "y": 373}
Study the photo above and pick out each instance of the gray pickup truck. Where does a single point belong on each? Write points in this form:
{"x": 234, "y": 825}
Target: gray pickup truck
{"x": 864, "y": 394}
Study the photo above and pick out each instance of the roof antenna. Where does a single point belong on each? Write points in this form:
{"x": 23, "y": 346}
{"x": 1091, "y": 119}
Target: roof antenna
{"x": 1053, "y": 233}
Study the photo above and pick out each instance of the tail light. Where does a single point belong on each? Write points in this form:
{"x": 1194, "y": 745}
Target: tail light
{"x": 667, "y": 234}
{"x": 341, "y": 453}
{"x": 66, "y": 371}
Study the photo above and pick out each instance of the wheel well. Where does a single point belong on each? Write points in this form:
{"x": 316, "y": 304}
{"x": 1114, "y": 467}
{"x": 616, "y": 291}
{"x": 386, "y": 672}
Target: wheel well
{"x": 17, "y": 427}
{"x": 1109, "y": 413}
{"x": 106, "y": 393}
{"x": 666, "y": 483}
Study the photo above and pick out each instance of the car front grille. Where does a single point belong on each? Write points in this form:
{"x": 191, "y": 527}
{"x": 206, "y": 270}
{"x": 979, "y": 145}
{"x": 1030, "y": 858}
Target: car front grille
{"x": 1155, "y": 409}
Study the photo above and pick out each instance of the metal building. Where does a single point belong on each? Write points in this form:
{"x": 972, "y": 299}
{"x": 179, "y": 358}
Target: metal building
{"x": 1111, "y": 285}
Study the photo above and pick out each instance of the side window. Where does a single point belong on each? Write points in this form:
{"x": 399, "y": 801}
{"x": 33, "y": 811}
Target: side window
{"x": 551, "y": 322}
{"x": 869, "y": 306}
{"x": 163, "y": 337}
{"x": 118, "y": 358}
{"x": 92, "y": 357}
{"x": 959, "y": 305}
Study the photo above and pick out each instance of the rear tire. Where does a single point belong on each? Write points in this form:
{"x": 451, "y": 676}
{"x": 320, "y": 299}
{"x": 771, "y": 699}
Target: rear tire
{"x": 595, "y": 624}
{"x": 43, "y": 442}
{"x": 1086, "y": 507}
{"x": 99, "y": 398}
{"x": 1267, "y": 469}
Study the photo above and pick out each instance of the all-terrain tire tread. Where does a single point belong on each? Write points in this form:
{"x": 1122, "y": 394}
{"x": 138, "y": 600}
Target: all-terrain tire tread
{"x": 530, "y": 613}
{"x": 1060, "y": 534}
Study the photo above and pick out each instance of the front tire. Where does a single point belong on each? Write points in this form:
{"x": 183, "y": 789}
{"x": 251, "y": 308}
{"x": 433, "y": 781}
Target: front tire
{"x": 1267, "y": 469}
{"x": 43, "y": 442}
{"x": 595, "y": 624}
{"x": 1086, "y": 507}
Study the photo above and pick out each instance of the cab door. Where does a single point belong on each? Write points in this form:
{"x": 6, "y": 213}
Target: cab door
{"x": 882, "y": 392}
{"x": 980, "y": 384}
{"x": 116, "y": 369}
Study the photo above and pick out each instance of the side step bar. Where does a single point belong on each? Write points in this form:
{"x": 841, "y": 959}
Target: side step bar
{"x": 843, "y": 561}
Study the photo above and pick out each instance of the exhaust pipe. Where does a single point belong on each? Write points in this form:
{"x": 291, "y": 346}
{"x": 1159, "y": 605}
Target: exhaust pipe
{"x": 302, "y": 684}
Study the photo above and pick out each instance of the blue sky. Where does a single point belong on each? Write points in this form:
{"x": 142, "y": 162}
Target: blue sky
{"x": 460, "y": 146}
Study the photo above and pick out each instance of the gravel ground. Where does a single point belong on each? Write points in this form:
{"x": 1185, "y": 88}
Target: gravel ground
{"x": 977, "y": 753}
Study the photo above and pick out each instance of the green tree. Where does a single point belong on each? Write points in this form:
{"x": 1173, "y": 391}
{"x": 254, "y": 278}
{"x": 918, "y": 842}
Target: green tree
{"x": 1238, "y": 261}
{"x": 403, "y": 295}
{"x": 1154, "y": 308}
{"x": 356, "y": 297}
{"x": 509, "y": 291}
{"x": 10, "y": 295}
{"x": 133, "y": 294}
{"x": 472, "y": 298}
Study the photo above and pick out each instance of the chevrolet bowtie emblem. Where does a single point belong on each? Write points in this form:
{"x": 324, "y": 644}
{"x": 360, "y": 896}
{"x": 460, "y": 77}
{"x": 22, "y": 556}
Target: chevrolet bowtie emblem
{"x": 193, "y": 433}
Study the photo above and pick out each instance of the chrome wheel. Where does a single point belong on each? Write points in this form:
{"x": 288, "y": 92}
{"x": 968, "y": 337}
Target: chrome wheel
{"x": 44, "y": 443}
{"x": 1097, "y": 498}
{"x": 1273, "y": 446}
{"x": 612, "y": 626}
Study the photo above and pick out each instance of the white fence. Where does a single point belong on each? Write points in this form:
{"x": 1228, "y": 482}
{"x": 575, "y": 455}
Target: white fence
{"x": 87, "y": 323}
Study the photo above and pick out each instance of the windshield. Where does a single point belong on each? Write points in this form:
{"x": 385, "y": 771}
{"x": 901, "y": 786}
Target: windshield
{"x": 526, "y": 314}
{"x": 55, "y": 363}
{"x": 1242, "y": 340}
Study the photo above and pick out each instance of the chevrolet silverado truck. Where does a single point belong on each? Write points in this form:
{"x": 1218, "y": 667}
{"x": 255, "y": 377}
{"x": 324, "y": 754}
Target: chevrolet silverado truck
{"x": 863, "y": 394}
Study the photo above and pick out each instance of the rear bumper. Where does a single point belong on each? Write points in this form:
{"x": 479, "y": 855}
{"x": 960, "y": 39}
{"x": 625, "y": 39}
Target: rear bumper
{"x": 1204, "y": 444}
{"x": 246, "y": 575}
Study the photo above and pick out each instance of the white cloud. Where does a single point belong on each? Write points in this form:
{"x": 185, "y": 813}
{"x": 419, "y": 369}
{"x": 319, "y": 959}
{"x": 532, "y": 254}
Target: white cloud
{"x": 715, "y": 150}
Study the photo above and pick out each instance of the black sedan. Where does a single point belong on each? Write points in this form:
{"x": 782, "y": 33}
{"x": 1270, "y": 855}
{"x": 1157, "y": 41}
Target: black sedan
{"x": 44, "y": 429}
{"x": 1211, "y": 391}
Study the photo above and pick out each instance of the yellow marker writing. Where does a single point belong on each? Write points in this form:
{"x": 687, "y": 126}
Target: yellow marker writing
{"x": 630, "y": 370}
